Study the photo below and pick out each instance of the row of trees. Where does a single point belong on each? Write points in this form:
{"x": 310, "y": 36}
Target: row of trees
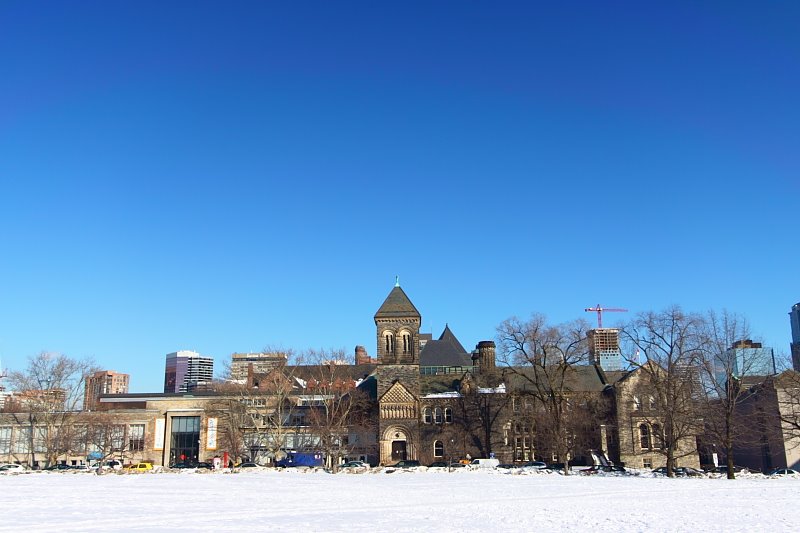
{"x": 693, "y": 376}
{"x": 690, "y": 370}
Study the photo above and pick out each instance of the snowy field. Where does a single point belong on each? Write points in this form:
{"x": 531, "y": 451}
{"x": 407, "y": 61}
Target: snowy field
{"x": 401, "y": 501}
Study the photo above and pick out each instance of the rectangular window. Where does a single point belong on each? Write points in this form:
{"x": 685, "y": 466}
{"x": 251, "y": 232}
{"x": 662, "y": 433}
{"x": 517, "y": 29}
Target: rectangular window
{"x": 647, "y": 462}
{"x": 40, "y": 440}
{"x": 5, "y": 440}
{"x": 22, "y": 440}
{"x": 136, "y": 437}
{"x": 117, "y": 438}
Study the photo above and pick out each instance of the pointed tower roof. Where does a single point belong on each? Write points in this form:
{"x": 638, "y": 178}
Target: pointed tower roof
{"x": 448, "y": 336}
{"x": 397, "y": 305}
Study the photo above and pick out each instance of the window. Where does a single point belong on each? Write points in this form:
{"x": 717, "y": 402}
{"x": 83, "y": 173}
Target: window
{"x": 438, "y": 449}
{"x": 515, "y": 404}
{"x": 118, "y": 438}
{"x": 406, "y": 343}
{"x": 637, "y": 404}
{"x": 22, "y": 440}
{"x": 437, "y": 413}
{"x": 388, "y": 340}
{"x": 658, "y": 436}
{"x": 647, "y": 462}
{"x": 136, "y": 437}
{"x": 448, "y": 415}
{"x": 644, "y": 436}
{"x": 40, "y": 440}
{"x": 427, "y": 415}
{"x": 5, "y": 440}
{"x": 653, "y": 404}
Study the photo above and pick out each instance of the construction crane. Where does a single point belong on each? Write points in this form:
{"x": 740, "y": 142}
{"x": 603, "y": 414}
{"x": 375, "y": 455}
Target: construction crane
{"x": 599, "y": 310}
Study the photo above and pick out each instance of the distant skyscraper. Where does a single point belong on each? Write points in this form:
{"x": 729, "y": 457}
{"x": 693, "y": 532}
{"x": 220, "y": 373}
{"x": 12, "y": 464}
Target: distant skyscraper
{"x": 185, "y": 370}
{"x": 749, "y": 359}
{"x": 604, "y": 348}
{"x": 794, "y": 320}
{"x": 104, "y": 382}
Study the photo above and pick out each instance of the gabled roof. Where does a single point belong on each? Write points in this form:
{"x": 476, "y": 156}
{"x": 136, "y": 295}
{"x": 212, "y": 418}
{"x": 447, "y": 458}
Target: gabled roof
{"x": 397, "y": 305}
{"x": 446, "y": 351}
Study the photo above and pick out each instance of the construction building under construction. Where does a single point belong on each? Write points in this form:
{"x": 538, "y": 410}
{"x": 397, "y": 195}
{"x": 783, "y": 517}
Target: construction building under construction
{"x": 604, "y": 348}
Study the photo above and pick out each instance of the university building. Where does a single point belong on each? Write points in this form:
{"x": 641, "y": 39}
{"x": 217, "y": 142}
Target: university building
{"x": 420, "y": 398}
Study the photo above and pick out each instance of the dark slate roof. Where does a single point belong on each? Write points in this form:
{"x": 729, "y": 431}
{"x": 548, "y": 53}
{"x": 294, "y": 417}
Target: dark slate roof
{"x": 397, "y": 305}
{"x": 584, "y": 378}
{"x": 446, "y": 351}
{"x": 448, "y": 336}
{"x": 354, "y": 372}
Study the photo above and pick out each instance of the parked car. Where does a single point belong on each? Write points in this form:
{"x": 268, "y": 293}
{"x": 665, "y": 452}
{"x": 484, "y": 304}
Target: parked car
{"x": 112, "y": 465}
{"x": 508, "y": 466}
{"x": 139, "y": 467}
{"x": 784, "y": 472}
{"x": 354, "y": 464}
{"x": 12, "y": 468}
{"x": 405, "y": 464}
{"x": 484, "y": 463}
{"x": 58, "y": 467}
{"x": 680, "y": 471}
{"x": 248, "y": 465}
{"x": 81, "y": 468}
{"x": 539, "y": 465}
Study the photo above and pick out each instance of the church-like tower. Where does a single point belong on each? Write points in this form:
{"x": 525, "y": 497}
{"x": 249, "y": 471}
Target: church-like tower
{"x": 397, "y": 324}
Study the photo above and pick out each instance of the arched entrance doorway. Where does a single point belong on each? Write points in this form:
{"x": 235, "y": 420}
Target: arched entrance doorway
{"x": 396, "y": 445}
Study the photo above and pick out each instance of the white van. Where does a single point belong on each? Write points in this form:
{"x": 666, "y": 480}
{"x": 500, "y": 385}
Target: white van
{"x": 484, "y": 463}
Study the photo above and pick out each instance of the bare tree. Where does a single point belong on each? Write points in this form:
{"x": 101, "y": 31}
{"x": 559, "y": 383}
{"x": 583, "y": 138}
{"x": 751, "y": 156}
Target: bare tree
{"x": 483, "y": 401}
{"x": 542, "y": 357}
{"x": 258, "y": 414}
{"x": 728, "y": 368}
{"x": 669, "y": 347}
{"x": 333, "y": 404}
{"x": 50, "y": 393}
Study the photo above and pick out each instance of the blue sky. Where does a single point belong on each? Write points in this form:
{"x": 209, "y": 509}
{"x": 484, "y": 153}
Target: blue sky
{"x": 226, "y": 176}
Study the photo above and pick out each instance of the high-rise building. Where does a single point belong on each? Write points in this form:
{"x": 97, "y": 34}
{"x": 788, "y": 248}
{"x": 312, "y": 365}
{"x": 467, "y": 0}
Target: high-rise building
{"x": 604, "y": 348}
{"x": 104, "y": 382}
{"x": 186, "y": 370}
{"x": 747, "y": 358}
{"x": 261, "y": 363}
{"x": 794, "y": 320}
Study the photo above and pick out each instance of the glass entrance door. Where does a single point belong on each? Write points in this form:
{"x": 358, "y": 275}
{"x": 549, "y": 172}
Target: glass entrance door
{"x": 185, "y": 441}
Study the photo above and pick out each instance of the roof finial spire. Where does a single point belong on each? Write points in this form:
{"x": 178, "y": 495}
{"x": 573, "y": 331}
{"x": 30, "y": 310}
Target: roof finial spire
{"x": 397, "y": 281}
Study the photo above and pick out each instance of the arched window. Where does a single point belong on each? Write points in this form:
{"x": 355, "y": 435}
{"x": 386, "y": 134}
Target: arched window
{"x": 448, "y": 415}
{"x": 438, "y": 449}
{"x": 427, "y": 415}
{"x": 406, "y": 342}
{"x": 437, "y": 414}
{"x": 644, "y": 436}
{"x": 388, "y": 342}
{"x": 658, "y": 436}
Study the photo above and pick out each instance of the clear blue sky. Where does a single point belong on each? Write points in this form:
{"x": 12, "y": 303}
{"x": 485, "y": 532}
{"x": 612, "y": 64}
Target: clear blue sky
{"x": 223, "y": 176}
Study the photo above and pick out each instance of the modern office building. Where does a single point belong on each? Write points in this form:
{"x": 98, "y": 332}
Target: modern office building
{"x": 794, "y": 320}
{"x": 604, "y": 349}
{"x": 186, "y": 370}
{"x": 258, "y": 363}
{"x": 104, "y": 382}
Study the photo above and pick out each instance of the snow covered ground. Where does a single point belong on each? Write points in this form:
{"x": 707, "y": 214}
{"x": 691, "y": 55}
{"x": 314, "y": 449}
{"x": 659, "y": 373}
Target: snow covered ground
{"x": 376, "y": 501}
